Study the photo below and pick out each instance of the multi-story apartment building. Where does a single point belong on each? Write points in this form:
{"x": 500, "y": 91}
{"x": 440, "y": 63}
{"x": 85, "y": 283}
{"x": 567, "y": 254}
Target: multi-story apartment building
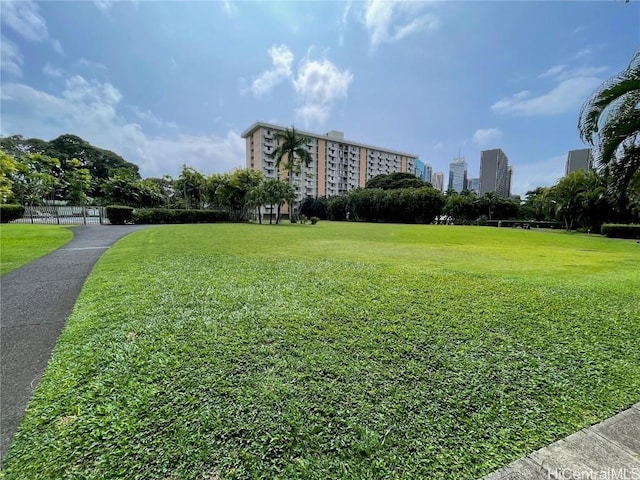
{"x": 494, "y": 173}
{"x": 337, "y": 165}
{"x": 457, "y": 175}
{"x": 578, "y": 160}
{"x": 437, "y": 180}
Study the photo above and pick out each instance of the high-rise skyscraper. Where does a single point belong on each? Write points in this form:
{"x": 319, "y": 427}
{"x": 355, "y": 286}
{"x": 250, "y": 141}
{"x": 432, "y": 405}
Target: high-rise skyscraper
{"x": 457, "y": 175}
{"x": 437, "y": 180}
{"x": 473, "y": 184}
{"x": 494, "y": 173}
{"x": 578, "y": 160}
{"x": 428, "y": 171}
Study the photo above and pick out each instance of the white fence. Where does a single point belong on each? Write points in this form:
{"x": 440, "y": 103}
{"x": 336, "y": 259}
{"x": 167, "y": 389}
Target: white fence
{"x": 67, "y": 215}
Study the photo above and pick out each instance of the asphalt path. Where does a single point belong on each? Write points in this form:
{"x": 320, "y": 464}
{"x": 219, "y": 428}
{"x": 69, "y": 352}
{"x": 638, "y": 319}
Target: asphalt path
{"x": 35, "y": 301}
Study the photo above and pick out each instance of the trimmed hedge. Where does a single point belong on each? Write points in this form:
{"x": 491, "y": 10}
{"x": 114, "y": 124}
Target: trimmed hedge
{"x": 119, "y": 215}
{"x": 519, "y": 223}
{"x": 149, "y": 216}
{"x": 10, "y": 212}
{"x": 616, "y": 230}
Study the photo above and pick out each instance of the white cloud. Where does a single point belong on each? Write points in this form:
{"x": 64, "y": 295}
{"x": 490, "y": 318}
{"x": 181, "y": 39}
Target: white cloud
{"x": 389, "y": 21}
{"x": 89, "y": 109}
{"x": 52, "y": 71}
{"x": 24, "y": 18}
{"x": 561, "y": 72}
{"x": 281, "y": 58}
{"x": 553, "y": 71}
{"x": 88, "y": 64}
{"x": 229, "y": 7}
{"x": 485, "y": 136}
{"x": 583, "y": 53}
{"x": 103, "y": 5}
{"x": 318, "y": 85}
{"x": 544, "y": 173}
{"x": 151, "y": 118}
{"x": 342, "y": 25}
{"x": 10, "y": 57}
{"x": 57, "y": 46}
{"x": 575, "y": 85}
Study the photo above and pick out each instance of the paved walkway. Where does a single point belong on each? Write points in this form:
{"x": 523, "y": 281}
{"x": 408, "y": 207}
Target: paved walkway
{"x": 606, "y": 451}
{"x": 35, "y": 301}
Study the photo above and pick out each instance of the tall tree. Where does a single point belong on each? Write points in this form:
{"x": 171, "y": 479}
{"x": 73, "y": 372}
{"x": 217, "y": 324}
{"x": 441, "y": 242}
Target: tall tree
{"x": 190, "y": 186}
{"x": 77, "y": 182}
{"x": 292, "y": 150}
{"x": 610, "y": 121}
{"x": 33, "y": 181}
{"x": 8, "y": 167}
{"x": 396, "y": 180}
{"x": 233, "y": 191}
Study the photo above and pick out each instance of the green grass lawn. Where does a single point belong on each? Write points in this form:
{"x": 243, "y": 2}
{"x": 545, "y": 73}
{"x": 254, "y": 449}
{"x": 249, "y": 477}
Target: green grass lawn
{"x": 353, "y": 351}
{"x": 21, "y": 244}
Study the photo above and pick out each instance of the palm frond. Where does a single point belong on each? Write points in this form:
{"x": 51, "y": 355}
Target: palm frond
{"x": 605, "y": 97}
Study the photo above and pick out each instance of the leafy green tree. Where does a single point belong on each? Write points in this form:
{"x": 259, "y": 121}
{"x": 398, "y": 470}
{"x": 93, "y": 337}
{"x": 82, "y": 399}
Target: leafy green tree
{"x": 579, "y": 200}
{"x": 33, "y": 180}
{"x": 610, "y": 121}
{"x": 190, "y": 187}
{"x": 315, "y": 207}
{"x": 233, "y": 191}
{"x": 78, "y": 182}
{"x": 488, "y": 203}
{"x": 396, "y": 180}
{"x": 150, "y": 193}
{"x": 337, "y": 207}
{"x": 120, "y": 189}
{"x": 164, "y": 185}
{"x": 277, "y": 193}
{"x": 8, "y": 167}
{"x": 461, "y": 207}
{"x": 536, "y": 205}
{"x": 257, "y": 198}
{"x": 102, "y": 164}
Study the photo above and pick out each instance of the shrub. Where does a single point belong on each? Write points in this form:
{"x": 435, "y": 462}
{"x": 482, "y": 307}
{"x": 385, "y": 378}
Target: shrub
{"x": 337, "y": 207}
{"x": 148, "y": 216}
{"x": 302, "y": 219}
{"x": 314, "y": 220}
{"x": 10, "y": 212}
{"x": 615, "y": 230}
{"x": 119, "y": 215}
{"x": 315, "y": 207}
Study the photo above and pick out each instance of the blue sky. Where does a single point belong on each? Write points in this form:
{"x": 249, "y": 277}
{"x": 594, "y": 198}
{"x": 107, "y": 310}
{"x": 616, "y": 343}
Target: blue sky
{"x": 171, "y": 83}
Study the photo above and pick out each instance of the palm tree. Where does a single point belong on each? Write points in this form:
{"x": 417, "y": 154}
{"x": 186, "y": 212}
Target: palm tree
{"x": 292, "y": 149}
{"x": 610, "y": 121}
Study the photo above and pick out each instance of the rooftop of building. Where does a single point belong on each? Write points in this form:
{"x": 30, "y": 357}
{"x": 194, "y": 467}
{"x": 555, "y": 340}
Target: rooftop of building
{"x": 333, "y": 135}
